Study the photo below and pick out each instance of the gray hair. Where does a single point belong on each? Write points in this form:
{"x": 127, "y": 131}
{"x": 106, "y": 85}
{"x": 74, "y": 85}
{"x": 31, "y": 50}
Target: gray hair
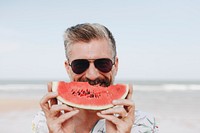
{"x": 85, "y": 33}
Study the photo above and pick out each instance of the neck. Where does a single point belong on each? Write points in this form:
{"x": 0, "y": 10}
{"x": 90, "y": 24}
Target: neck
{"x": 85, "y": 121}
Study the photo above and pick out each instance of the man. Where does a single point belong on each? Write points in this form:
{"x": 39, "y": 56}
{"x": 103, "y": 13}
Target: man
{"x": 91, "y": 57}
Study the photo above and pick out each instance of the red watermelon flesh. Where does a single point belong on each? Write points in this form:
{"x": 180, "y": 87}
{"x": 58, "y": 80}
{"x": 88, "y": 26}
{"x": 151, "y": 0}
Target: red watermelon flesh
{"x": 85, "y": 96}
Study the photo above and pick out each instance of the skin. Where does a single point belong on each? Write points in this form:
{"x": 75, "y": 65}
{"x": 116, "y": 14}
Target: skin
{"x": 75, "y": 120}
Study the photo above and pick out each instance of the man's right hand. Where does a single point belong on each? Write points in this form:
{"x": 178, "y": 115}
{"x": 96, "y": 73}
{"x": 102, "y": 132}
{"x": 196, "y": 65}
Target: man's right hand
{"x": 57, "y": 121}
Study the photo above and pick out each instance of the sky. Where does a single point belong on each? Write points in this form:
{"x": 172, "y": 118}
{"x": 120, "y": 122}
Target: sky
{"x": 156, "y": 39}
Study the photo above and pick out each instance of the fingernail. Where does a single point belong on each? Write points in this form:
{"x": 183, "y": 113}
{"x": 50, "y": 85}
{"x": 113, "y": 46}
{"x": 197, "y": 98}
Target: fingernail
{"x": 114, "y": 101}
{"x": 76, "y": 111}
{"x": 102, "y": 112}
{"x": 54, "y": 93}
{"x": 99, "y": 114}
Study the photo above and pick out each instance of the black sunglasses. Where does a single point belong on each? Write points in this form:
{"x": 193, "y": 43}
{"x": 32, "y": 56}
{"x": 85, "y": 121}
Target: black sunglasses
{"x": 81, "y": 65}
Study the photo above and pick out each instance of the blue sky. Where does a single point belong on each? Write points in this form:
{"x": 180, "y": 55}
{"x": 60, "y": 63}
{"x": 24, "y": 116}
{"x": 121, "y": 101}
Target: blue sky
{"x": 156, "y": 40}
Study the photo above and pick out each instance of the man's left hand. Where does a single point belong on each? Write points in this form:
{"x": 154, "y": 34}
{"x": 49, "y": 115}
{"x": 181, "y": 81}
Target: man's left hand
{"x": 120, "y": 119}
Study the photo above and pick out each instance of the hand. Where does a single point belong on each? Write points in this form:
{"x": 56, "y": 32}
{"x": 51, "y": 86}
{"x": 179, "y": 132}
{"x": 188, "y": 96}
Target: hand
{"x": 125, "y": 108}
{"x": 57, "y": 121}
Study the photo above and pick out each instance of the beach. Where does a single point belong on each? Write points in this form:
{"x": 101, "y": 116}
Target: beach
{"x": 175, "y": 107}
{"x": 16, "y": 115}
{"x": 175, "y": 111}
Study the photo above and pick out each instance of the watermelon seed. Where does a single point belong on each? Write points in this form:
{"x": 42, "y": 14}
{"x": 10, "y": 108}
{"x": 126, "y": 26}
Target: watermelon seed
{"x": 87, "y": 93}
{"x": 92, "y": 96}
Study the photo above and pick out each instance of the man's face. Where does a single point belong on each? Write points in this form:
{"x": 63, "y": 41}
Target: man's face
{"x": 92, "y": 50}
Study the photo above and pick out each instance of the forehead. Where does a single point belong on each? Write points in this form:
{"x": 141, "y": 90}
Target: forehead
{"x": 90, "y": 50}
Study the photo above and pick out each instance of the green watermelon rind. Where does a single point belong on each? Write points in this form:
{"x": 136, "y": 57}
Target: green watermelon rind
{"x": 88, "y": 107}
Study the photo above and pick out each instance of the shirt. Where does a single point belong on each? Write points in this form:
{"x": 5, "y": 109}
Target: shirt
{"x": 144, "y": 123}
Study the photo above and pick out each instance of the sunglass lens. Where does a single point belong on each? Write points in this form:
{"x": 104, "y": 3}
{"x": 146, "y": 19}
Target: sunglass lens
{"x": 79, "y": 66}
{"x": 104, "y": 65}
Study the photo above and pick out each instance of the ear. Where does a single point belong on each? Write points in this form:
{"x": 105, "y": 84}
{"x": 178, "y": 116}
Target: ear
{"x": 67, "y": 67}
{"x": 116, "y": 65}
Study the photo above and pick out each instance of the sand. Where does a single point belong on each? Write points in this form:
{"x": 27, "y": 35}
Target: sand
{"x": 11, "y": 105}
{"x": 176, "y": 112}
{"x": 16, "y": 115}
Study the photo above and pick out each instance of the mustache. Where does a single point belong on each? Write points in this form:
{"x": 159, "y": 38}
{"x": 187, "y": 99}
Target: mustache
{"x": 102, "y": 82}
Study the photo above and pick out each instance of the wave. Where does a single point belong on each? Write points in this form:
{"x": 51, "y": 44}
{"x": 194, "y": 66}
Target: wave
{"x": 171, "y": 87}
{"x": 22, "y": 87}
{"x": 168, "y": 87}
{"x": 162, "y": 87}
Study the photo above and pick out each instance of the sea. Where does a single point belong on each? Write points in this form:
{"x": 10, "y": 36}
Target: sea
{"x": 37, "y": 88}
{"x": 174, "y": 104}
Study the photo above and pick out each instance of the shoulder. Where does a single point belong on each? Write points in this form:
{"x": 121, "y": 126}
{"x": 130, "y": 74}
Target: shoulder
{"x": 39, "y": 123}
{"x": 144, "y": 122}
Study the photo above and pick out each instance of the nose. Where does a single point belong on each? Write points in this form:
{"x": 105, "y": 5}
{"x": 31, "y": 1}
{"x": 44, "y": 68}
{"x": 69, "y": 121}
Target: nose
{"x": 92, "y": 73}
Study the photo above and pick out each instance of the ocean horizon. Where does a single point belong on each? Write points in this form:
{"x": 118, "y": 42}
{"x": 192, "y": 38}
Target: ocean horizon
{"x": 140, "y": 85}
{"x": 134, "y": 81}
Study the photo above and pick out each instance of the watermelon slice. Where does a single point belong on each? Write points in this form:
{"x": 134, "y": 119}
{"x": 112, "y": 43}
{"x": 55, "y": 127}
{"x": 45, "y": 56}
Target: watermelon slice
{"x": 85, "y": 96}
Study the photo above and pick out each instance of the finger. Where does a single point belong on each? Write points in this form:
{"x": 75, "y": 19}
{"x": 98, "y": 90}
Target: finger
{"x": 66, "y": 116}
{"x": 124, "y": 102}
{"x": 131, "y": 113}
{"x": 128, "y": 105}
{"x": 111, "y": 118}
{"x": 44, "y": 101}
{"x": 118, "y": 110}
{"x": 54, "y": 100}
{"x": 130, "y": 93}
{"x": 49, "y": 85}
{"x": 56, "y": 109}
{"x": 123, "y": 124}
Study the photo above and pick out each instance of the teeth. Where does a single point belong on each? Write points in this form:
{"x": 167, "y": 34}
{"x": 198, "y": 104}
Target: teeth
{"x": 96, "y": 82}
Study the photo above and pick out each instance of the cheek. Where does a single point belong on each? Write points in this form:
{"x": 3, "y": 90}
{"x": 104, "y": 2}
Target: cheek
{"x": 108, "y": 76}
{"x": 77, "y": 77}
{"x": 113, "y": 72}
{"x": 73, "y": 76}
{"x": 112, "y": 77}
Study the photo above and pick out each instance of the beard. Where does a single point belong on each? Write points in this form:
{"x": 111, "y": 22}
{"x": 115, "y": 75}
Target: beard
{"x": 104, "y": 82}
